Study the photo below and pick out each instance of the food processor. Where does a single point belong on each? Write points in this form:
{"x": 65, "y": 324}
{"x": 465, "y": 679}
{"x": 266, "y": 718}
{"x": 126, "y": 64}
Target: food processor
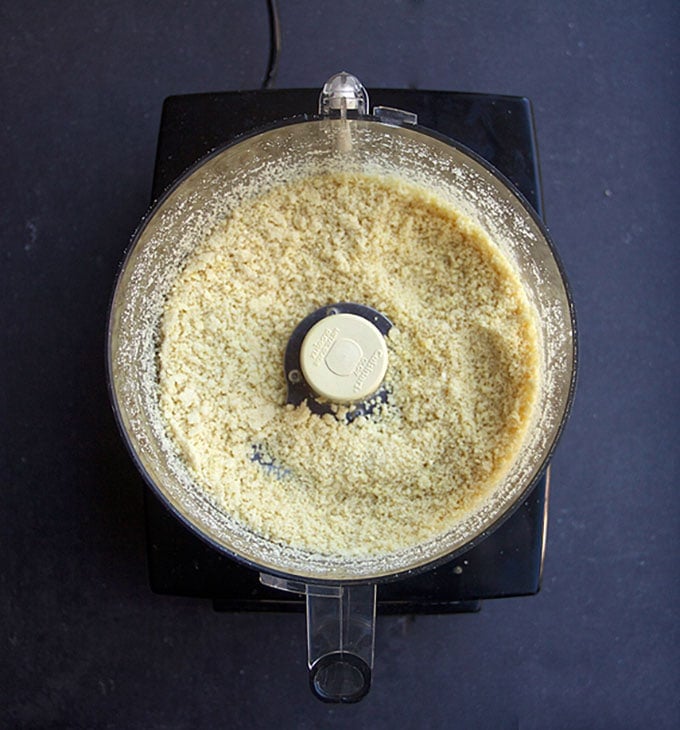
{"x": 344, "y": 134}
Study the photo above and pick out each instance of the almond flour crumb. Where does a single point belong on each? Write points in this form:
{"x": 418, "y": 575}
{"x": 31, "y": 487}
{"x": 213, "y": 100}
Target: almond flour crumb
{"x": 462, "y": 378}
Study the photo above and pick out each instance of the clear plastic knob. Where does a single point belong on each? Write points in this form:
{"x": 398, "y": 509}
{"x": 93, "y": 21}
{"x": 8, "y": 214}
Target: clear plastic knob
{"x": 342, "y": 93}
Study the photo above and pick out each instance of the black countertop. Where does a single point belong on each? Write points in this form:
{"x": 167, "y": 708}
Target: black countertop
{"x": 84, "y": 642}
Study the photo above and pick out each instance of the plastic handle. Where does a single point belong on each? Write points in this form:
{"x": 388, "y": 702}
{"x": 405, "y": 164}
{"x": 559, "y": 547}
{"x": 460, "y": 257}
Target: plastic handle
{"x": 340, "y": 641}
{"x": 340, "y": 636}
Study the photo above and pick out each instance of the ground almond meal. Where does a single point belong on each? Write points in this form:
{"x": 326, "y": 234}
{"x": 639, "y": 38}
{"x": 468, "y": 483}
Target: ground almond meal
{"x": 463, "y": 365}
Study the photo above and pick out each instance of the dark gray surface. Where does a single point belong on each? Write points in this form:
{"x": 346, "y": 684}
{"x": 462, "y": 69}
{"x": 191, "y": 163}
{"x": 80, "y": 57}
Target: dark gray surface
{"x": 83, "y": 643}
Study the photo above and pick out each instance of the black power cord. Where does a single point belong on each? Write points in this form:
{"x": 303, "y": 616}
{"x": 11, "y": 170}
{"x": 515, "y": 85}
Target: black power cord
{"x": 274, "y": 45}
